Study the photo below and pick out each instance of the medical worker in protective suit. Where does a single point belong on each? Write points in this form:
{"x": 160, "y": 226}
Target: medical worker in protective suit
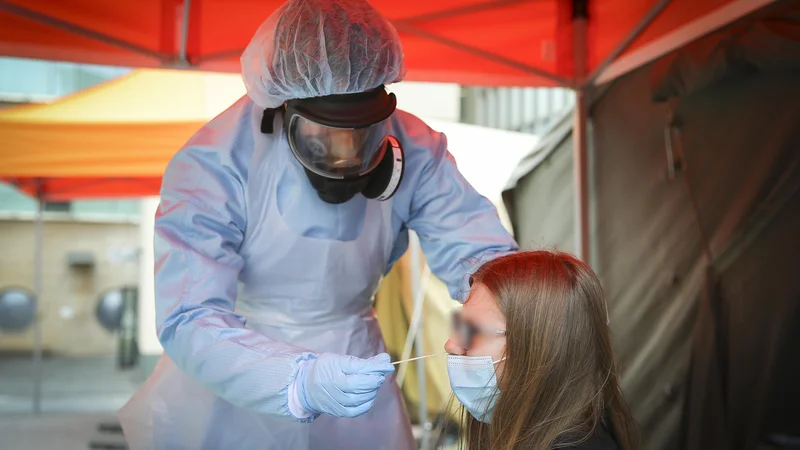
{"x": 303, "y": 191}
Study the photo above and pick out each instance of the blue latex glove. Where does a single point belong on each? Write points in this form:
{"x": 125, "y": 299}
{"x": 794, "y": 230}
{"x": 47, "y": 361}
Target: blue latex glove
{"x": 340, "y": 385}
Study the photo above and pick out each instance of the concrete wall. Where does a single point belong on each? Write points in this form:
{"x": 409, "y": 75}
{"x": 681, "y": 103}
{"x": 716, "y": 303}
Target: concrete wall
{"x": 67, "y": 307}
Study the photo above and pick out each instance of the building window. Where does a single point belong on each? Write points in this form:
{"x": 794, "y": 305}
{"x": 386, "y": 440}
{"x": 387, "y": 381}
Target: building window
{"x": 529, "y": 110}
{"x": 58, "y": 206}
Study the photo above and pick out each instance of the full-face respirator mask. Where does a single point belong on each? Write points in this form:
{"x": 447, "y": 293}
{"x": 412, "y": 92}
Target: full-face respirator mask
{"x": 343, "y": 143}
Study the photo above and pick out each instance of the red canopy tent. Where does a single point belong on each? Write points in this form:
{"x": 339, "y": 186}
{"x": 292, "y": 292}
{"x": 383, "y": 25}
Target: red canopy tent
{"x": 500, "y": 42}
{"x": 571, "y": 43}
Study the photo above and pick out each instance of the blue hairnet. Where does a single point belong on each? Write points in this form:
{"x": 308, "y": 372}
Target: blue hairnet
{"x": 313, "y": 48}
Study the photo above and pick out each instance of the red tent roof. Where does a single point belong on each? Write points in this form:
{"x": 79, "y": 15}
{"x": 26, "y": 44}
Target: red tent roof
{"x": 472, "y": 42}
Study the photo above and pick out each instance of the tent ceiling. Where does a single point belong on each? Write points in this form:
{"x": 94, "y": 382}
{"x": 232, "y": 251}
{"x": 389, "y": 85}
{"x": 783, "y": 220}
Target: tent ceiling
{"x": 501, "y": 42}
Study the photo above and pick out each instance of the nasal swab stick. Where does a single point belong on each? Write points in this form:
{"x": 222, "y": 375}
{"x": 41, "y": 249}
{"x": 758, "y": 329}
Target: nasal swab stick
{"x": 414, "y": 359}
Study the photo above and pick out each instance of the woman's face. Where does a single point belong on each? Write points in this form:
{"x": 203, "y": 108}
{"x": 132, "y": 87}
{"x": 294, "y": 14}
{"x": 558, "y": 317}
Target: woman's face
{"x": 482, "y": 314}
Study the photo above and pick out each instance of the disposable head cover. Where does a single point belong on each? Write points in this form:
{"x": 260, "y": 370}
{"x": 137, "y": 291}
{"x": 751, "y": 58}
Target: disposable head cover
{"x": 313, "y": 48}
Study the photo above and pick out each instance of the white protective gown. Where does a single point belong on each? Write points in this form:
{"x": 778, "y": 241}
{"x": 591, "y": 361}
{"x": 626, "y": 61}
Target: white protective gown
{"x": 236, "y": 206}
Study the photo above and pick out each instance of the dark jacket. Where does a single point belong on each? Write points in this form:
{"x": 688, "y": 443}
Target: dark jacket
{"x": 601, "y": 439}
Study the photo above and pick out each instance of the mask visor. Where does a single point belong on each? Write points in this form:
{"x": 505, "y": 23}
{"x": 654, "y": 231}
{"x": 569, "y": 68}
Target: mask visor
{"x": 336, "y": 152}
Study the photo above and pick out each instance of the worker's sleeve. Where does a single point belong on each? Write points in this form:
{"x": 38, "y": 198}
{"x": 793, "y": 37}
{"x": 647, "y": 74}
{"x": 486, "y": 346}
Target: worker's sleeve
{"x": 459, "y": 229}
{"x": 199, "y": 229}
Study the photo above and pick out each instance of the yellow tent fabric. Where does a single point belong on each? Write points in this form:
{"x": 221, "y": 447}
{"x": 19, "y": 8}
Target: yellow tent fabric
{"x": 127, "y": 128}
{"x": 394, "y": 309}
{"x": 142, "y": 96}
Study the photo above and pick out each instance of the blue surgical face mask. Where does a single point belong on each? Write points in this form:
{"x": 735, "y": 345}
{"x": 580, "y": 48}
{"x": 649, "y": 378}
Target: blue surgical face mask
{"x": 474, "y": 383}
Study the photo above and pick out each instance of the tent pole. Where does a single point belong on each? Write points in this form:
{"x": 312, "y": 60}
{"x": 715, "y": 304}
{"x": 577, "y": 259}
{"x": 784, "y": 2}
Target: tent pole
{"x": 580, "y": 154}
{"x": 580, "y": 166}
{"x": 419, "y": 347}
{"x": 37, "y": 287}
{"x": 414, "y": 324}
{"x": 184, "y": 37}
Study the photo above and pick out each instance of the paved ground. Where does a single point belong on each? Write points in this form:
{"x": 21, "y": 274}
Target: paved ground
{"x": 86, "y": 385}
{"x": 77, "y": 396}
{"x": 56, "y": 432}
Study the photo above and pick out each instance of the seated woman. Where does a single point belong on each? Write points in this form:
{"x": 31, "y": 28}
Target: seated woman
{"x": 530, "y": 358}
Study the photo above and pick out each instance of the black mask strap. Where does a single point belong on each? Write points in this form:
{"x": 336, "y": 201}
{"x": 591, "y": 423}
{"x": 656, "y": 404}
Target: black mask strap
{"x": 268, "y": 120}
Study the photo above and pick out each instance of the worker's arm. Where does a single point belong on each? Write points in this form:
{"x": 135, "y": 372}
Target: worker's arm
{"x": 199, "y": 227}
{"x": 458, "y": 228}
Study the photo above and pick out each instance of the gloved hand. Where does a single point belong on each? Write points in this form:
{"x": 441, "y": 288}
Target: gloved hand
{"x": 340, "y": 385}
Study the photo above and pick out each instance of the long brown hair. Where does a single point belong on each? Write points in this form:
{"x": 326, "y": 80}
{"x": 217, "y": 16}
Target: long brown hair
{"x": 560, "y": 377}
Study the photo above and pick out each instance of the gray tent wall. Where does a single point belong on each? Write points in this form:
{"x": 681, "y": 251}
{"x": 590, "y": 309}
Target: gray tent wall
{"x": 698, "y": 257}
{"x": 546, "y": 198}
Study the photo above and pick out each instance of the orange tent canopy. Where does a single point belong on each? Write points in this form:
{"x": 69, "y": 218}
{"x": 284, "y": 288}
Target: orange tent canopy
{"x": 471, "y": 42}
{"x": 113, "y": 140}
